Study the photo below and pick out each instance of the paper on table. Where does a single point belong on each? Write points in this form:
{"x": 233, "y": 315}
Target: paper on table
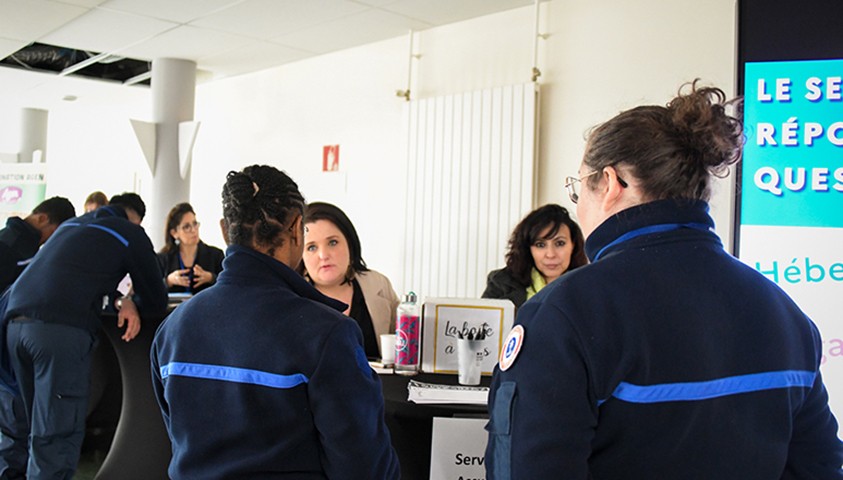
{"x": 421, "y": 392}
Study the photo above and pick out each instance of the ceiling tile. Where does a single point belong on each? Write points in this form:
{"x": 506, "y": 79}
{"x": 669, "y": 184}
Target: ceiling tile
{"x": 8, "y": 47}
{"x": 31, "y": 19}
{"x": 106, "y": 31}
{"x": 367, "y": 27}
{"x": 441, "y": 12}
{"x": 186, "y": 42}
{"x": 181, "y": 11}
{"x": 269, "y": 18}
{"x": 249, "y": 58}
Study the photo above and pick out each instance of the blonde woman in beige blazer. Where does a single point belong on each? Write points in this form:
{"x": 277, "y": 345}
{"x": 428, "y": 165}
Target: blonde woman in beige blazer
{"x": 333, "y": 263}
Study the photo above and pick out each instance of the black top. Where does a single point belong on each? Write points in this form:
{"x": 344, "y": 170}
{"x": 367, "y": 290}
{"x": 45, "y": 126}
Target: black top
{"x": 501, "y": 284}
{"x": 360, "y": 313}
{"x": 207, "y": 257}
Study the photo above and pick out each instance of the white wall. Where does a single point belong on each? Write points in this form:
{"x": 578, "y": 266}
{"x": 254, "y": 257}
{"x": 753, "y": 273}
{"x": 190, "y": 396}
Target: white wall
{"x": 284, "y": 116}
{"x": 600, "y": 56}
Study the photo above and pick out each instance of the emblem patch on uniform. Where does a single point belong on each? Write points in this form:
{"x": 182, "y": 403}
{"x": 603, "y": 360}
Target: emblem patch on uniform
{"x": 511, "y": 347}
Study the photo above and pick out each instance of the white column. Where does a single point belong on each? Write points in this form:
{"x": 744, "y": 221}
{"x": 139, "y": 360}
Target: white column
{"x": 173, "y": 91}
{"x": 33, "y": 135}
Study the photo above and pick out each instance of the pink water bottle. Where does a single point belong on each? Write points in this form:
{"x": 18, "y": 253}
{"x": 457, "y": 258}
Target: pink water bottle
{"x": 407, "y": 336}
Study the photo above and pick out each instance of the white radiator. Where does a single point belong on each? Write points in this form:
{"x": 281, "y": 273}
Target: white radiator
{"x": 470, "y": 179}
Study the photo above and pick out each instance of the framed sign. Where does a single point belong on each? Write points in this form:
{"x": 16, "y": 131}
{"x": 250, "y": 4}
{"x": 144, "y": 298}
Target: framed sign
{"x": 445, "y": 319}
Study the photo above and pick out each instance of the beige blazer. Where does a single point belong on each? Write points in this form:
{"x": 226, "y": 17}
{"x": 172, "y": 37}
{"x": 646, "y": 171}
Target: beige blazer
{"x": 381, "y": 301}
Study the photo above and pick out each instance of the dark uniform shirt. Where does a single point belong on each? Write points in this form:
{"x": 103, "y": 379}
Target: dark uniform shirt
{"x": 19, "y": 242}
{"x": 263, "y": 377}
{"x": 665, "y": 358}
{"x": 83, "y": 261}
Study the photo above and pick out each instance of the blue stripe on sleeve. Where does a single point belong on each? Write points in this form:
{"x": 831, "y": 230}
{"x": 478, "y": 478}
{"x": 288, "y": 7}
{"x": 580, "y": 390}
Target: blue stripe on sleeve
{"x": 691, "y": 391}
{"x": 232, "y": 374}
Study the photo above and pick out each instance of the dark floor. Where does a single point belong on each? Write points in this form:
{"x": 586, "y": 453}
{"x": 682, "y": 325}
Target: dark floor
{"x": 89, "y": 464}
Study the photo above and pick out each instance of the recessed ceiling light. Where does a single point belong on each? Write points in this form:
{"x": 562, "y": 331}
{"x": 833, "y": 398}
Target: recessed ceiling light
{"x": 70, "y": 98}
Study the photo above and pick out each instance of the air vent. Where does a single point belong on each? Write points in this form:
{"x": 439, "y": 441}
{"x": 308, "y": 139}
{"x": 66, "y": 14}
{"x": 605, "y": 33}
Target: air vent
{"x": 42, "y": 57}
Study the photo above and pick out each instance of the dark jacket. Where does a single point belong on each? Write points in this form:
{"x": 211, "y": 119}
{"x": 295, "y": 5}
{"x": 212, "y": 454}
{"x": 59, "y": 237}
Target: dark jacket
{"x": 664, "y": 358}
{"x": 501, "y": 284}
{"x": 19, "y": 242}
{"x": 83, "y": 261}
{"x": 266, "y": 366}
{"x": 207, "y": 257}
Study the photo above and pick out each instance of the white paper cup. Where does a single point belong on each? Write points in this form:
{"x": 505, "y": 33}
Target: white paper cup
{"x": 470, "y": 359}
{"x": 388, "y": 348}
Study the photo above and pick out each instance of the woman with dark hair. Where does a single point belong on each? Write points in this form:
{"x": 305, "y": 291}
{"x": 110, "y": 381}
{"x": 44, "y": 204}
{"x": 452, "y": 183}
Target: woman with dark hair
{"x": 665, "y": 357}
{"x": 190, "y": 265}
{"x": 265, "y": 365}
{"x": 544, "y": 245}
{"x": 332, "y": 261}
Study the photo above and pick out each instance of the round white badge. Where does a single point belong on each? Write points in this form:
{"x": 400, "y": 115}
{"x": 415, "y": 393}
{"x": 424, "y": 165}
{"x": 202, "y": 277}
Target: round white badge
{"x": 511, "y": 347}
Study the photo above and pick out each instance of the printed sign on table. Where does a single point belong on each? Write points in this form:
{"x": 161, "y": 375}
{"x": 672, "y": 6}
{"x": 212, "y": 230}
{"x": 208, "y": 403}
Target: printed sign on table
{"x": 444, "y": 319}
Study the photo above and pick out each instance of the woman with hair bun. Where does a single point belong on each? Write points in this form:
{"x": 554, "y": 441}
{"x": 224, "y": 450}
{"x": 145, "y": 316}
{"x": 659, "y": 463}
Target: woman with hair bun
{"x": 262, "y": 376}
{"x": 665, "y": 357}
{"x": 545, "y": 245}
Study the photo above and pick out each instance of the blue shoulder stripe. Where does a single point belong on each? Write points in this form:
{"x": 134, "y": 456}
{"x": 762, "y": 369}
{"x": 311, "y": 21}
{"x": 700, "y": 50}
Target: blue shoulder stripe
{"x": 110, "y": 231}
{"x": 232, "y": 374}
{"x": 721, "y": 387}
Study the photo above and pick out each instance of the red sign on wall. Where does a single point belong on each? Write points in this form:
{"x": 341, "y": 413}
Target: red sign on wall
{"x": 330, "y": 158}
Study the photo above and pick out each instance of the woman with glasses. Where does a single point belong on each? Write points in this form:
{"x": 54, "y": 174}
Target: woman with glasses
{"x": 665, "y": 357}
{"x": 546, "y": 244}
{"x": 188, "y": 263}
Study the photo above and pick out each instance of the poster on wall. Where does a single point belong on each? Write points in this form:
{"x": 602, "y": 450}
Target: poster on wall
{"x": 792, "y": 193}
{"x": 22, "y": 187}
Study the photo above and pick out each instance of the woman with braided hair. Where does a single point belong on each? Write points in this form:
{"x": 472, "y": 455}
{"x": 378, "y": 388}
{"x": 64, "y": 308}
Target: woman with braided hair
{"x": 262, "y": 375}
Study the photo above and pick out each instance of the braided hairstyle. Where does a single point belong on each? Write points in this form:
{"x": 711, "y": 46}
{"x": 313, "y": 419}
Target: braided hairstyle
{"x": 671, "y": 150}
{"x": 258, "y": 204}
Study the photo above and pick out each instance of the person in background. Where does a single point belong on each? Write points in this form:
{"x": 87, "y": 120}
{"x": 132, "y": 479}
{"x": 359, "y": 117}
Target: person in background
{"x": 546, "y": 244}
{"x": 665, "y": 357}
{"x": 332, "y": 261}
{"x": 19, "y": 242}
{"x": 95, "y": 200}
{"x": 189, "y": 264}
{"x": 22, "y": 238}
{"x": 265, "y": 364}
{"x": 54, "y": 313}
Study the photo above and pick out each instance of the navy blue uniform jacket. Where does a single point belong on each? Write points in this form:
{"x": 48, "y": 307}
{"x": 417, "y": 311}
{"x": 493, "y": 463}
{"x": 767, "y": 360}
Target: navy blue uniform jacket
{"x": 263, "y": 377}
{"x": 84, "y": 260}
{"x": 665, "y": 358}
{"x": 19, "y": 242}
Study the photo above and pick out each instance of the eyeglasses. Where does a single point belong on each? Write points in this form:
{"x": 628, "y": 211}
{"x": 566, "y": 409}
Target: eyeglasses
{"x": 189, "y": 227}
{"x": 571, "y": 184}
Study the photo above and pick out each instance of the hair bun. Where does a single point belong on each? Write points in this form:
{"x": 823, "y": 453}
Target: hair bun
{"x": 708, "y": 133}
{"x": 240, "y": 188}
